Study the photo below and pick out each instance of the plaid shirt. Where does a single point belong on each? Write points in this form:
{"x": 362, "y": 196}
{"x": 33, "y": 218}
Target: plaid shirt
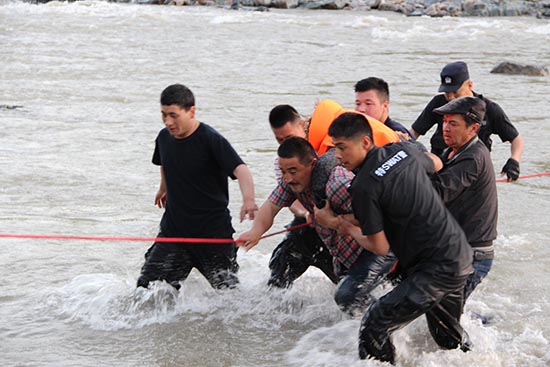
{"x": 344, "y": 249}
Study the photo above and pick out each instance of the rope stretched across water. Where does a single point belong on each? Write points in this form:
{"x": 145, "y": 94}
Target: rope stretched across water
{"x": 178, "y": 239}
{"x": 141, "y": 239}
{"x": 526, "y": 176}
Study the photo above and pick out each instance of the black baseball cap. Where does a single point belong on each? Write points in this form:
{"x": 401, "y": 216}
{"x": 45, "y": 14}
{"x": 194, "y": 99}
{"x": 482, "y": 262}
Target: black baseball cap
{"x": 473, "y": 107}
{"x": 453, "y": 75}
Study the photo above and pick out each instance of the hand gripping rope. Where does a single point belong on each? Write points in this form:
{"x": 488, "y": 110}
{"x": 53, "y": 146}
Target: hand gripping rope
{"x": 179, "y": 239}
{"x": 527, "y": 176}
{"x": 142, "y": 239}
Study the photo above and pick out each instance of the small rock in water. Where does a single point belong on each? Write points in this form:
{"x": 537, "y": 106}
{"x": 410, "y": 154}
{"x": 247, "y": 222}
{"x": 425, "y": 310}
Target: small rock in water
{"x": 9, "y": 107}
{"x": 485, "y": 320}
{"x": 517, "y": 69}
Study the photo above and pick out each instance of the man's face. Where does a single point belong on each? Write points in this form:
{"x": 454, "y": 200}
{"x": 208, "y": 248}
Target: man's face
{"x": 370, "y": 103}
{"x": 455, "y": 131}
{"x": 177, "y": 120}
{"x": 465, "y": 90}
{"x": 295, "y": 174}
{"x": 291, "y": 128}
{"x": 351, "y": 152}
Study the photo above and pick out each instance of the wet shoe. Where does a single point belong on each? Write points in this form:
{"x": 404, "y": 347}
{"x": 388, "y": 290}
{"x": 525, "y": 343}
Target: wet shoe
{"x": 382, "y": 350}
{"x": 466, "y": 345}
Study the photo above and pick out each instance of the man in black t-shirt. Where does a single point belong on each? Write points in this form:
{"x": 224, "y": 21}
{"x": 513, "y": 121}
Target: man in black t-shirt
{"x": 455, "y": 83}
{"x": 397, "y": 208}
{"x": 195, "y": 162}
{"x": 372, "y": 97}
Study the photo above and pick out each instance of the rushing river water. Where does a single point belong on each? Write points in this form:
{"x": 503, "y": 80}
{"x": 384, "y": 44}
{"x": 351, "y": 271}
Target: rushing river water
{"x": 75, "y": 159}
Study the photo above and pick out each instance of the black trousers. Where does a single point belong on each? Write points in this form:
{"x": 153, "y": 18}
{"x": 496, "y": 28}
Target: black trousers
{"x": 440, "y": 297}
{"x": 299, "y": 250}
{"x": 173, "y": 262}
{"x": 353, "y": 294}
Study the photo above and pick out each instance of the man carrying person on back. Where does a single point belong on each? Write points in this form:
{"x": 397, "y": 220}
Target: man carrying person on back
{"x": 303, "y": 247}
{"x": 302, "y": 172}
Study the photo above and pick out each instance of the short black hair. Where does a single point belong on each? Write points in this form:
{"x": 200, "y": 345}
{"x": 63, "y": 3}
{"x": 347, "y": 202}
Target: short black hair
{"x": 295, "y": 147}
{"x": 350, "y": 125}
{"x": 282, "y": 114}
{"x": 177, "y": 94}
{"x": 374, "y": 83}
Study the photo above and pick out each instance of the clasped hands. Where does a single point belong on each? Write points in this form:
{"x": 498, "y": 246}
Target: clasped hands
{"x": 341, "y": 223}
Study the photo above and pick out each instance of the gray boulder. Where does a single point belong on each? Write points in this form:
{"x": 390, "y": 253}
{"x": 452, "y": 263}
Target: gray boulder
{"x": 325, "y": 4}
{"x": 284, "y": 4}
{"x": 517, "y": 69}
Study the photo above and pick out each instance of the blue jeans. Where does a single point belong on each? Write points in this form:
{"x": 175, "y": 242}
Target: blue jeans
{"x": 481, "y": 269}
{"x": 366, "y": 273}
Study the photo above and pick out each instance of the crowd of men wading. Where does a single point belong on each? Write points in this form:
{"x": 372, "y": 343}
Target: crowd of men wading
{"x": 371, "y": 205}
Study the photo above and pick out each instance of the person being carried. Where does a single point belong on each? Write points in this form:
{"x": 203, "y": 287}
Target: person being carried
{"x": 195, "y": 162}
{"x": 372, "y": 97}
{"x": 398, "y": 210}
{"x": 467, "y": 184}
{"x": 303, "y": 247}
{"x": 302, "y": 172}
{"x": 455, "y": 83}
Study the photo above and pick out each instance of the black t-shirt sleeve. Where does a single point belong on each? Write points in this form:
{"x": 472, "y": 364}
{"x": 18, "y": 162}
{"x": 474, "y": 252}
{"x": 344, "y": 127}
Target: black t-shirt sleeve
{"x": 423, "y": 159}
{"x": 225, "y": 154}
{"x": 427, "y": 118}
{"x": 156, "y": 154}
{"x": 366, "y": 206}
{"x": 502, "y": 126}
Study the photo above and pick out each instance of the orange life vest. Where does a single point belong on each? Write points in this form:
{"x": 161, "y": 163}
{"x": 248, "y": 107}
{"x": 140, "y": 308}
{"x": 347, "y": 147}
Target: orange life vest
{"x": 326, "y": 111}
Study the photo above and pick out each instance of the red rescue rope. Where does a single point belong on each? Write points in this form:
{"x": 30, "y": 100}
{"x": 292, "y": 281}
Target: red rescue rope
{"x": 527, "y": 176}
{"x": 142, "y": 239}
{"x": 180, "y": 239}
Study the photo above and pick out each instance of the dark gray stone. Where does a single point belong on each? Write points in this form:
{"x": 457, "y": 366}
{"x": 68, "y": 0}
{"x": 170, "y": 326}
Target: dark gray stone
{"x": 9, "y": 107}
{"x": 517, "y": 69}
{"x": 325, "y": 4}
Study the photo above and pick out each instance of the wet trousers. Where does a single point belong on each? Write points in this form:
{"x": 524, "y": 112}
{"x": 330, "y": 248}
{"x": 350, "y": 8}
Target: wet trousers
{"x": 173, "y": 262}
{"x": 299, "y": 250}
{"x": 483, "y": 261}
{"x": 439, "y": 296}
{"x": 367, "y": 272}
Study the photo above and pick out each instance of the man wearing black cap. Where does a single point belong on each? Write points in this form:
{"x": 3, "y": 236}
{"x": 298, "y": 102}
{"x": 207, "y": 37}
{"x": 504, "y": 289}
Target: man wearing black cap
{"x": 466, "y": 183}
{"x": 455, "y": 83}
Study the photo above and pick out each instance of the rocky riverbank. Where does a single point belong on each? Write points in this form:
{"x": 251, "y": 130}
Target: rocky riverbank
{"x": 432, "y": 8}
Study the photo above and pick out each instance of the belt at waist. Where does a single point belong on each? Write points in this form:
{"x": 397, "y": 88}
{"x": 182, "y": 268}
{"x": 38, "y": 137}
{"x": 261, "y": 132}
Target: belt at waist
{"x": 485, "y": 245}
{"x": 484, "y": 252}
